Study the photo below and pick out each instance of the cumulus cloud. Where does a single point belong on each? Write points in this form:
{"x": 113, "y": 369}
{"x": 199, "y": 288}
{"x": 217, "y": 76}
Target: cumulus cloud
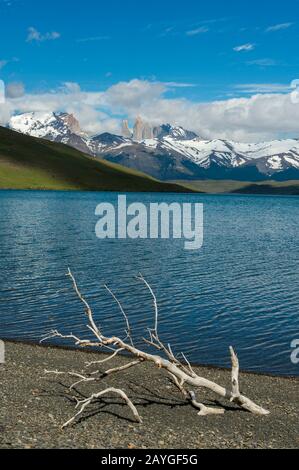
{"x": 133, "y": 94}
{"x": 249, "y": 119}
{"x": 244, "y": 47}
{"x": 35, "y": 35}
{"x": 71, "y": 87}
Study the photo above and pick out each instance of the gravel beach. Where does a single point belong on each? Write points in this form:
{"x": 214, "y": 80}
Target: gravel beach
{"x": 34, "y": 406}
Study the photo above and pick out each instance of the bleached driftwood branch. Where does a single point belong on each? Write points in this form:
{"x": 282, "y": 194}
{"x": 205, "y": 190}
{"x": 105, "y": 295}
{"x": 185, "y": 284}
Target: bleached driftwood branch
{"x": 181, "y": 373}
{"x": 84, "y": 403}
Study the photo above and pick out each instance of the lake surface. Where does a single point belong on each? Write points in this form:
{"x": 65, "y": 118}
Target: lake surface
{"x": 240, "y": 289}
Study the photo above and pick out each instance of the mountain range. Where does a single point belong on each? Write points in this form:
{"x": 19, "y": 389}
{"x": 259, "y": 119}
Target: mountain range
{"x": 173, "y": 153}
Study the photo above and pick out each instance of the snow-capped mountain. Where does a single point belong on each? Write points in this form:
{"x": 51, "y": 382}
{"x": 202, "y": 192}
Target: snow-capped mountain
{"x": 58, "y": 127}
{"x": 50, "y": 125}
{"x": 269, "y": 157}
{"x": 172, "y": 158}
{"x": 173, "y": 153}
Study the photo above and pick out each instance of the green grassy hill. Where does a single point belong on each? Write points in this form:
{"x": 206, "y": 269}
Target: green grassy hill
{"x": 29, "y": 163}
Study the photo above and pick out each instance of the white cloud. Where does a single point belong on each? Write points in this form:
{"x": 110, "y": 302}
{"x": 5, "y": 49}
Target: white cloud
{"x": 35, "y": 35}
{"x": 179, "y": 85}
{"x": 196, "y": 31}
{"x": 133, "y": 94}
{"x": 255, "y": 118}
{"x": 278, "y": 27}
{"x": 71, "y": 87}
{"x": 244, "y": 47}
{"x": 263, "y": 88}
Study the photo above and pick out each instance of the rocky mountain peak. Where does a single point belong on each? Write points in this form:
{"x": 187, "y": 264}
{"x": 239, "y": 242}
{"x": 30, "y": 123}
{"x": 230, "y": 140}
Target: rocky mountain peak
{"x": 143, "y": 130}
{"x": 176, "y": 132}
{"x": 71, "y": 123}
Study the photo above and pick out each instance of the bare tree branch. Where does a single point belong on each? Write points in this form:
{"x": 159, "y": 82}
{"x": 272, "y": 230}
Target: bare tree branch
{"x": 128, "y": 331}
{"x": 191, "y": 371}
{"x": 88, "y": 310}
{"x": 78, "y": 342}
{"x": 124, "y": 367}
{"x": 180, "y": 385}
{"x": 182, "y": 375}
{"x": 205, "y": 410}
{"x": 107, "y": 359}
{"x": 235, "y": 374}
{"x": 81, "y": 377}
{"x": 141, "y": 278}
{"x": 95, "y": 396}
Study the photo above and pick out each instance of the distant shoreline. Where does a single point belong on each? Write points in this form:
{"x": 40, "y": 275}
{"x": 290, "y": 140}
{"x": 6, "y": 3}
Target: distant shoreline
{"x": 204, "y": 188}
{"x": 263, "y": 188}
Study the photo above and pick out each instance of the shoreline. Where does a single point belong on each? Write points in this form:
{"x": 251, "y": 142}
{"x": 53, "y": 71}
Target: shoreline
{"x": 46, "y": 345}
{"x": 33, "y": 407}
{"x": 187, "y": 191}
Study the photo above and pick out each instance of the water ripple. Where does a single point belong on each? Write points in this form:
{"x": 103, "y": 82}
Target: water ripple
{"x": 240, "y": 289}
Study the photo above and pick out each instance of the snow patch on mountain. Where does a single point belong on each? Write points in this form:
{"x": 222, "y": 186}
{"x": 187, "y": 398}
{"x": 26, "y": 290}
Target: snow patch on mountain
{"x": 35, "y": 124}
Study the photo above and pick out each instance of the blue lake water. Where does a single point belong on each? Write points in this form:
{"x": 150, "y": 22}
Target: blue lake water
{"x": 240, "y": 289}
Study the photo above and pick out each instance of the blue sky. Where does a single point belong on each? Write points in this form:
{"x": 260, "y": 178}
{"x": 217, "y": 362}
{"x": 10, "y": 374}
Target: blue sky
{"x": 201, "y": 51}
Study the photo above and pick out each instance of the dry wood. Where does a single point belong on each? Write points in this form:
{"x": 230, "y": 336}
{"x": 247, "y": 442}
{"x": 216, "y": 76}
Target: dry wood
{"x": 181, "y": 373}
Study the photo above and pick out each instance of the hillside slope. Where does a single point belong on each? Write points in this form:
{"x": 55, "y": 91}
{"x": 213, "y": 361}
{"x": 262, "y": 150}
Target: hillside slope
{"x": 30, "y": 163}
